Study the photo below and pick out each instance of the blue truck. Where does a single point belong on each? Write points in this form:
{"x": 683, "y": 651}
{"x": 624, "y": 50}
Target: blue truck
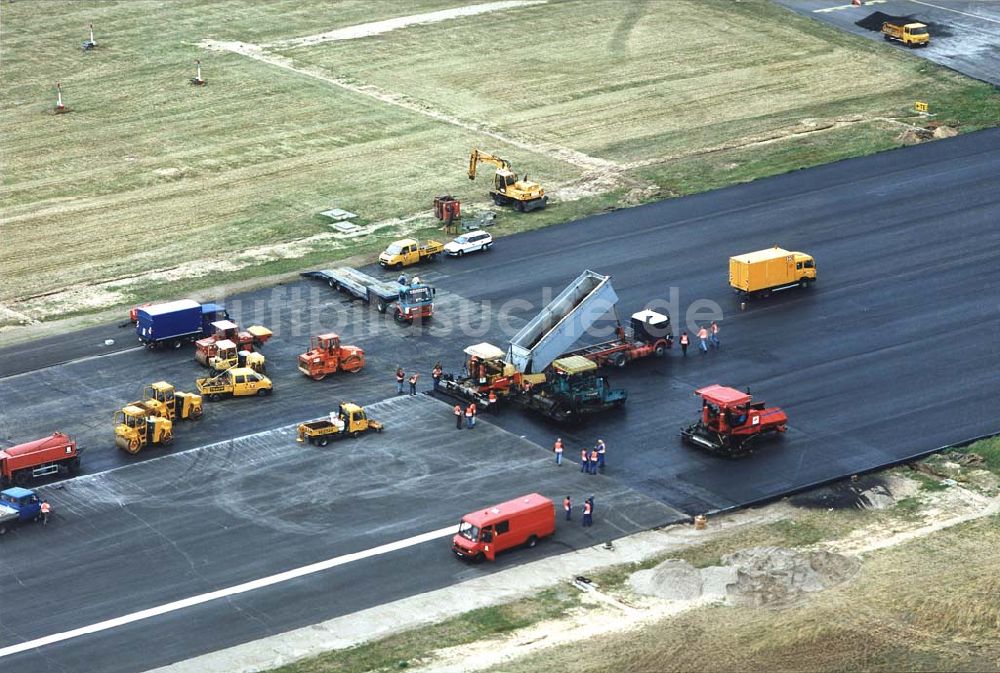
{"x": 18, "y": 505}
{"x": 175, "y": 323}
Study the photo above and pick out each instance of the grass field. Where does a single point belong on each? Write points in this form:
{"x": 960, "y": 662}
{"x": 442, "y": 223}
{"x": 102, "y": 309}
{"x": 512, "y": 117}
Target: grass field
{"x": 151, "y": 188}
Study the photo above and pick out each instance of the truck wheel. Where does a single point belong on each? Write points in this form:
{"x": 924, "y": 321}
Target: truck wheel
{"x": 323, "y": 441}
{"x": 381, "y": 305}
{"x": 215, "y": 397}
{"x": 804, "y": 282}
{"x": 478, "y": 558}
{"x": 660, "y": 350}
{"x": 3, "y": 529}
{"x": 618, "y": 360}
{"x": 318, "y": 376}
{"x": 22, "y": 478}
{"x": 333, "y": 285}
{"x": 532, "y": 541}
{"x": 176, "y": 344}
{"x": 74, "y": 465}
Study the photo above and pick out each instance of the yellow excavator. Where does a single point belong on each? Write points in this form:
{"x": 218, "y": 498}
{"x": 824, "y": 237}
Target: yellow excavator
{"x": 507, "y": 190}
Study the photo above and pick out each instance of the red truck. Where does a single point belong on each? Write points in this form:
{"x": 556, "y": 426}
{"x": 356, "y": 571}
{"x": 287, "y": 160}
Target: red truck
{"x": 522, "y": 521}
{"x": 49, "y": 455}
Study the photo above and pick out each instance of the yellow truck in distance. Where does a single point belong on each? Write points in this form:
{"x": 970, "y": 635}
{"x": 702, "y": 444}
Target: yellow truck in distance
{"x": 765, "y": 271}
{"x": 407, "y": 251}
{"x": 911, "y": 34}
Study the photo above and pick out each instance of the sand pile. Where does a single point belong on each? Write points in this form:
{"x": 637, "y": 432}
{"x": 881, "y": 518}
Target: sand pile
{"x": 765, "y": 576}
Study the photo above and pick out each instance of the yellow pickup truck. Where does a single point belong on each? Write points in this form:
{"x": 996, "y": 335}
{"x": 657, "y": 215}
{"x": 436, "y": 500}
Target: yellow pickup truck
{"x": 911, "y": 34}
{"x": 407, "y": 251}
{"x": 235, "y": 382}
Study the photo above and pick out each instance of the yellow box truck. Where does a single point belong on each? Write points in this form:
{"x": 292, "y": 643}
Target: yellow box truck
{"x": 911, "y": 34}
{"x": 765, "y": 271}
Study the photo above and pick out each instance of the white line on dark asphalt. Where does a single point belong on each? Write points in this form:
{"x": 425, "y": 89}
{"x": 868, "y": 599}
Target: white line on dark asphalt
{"x": 230, "y": 591}
{"x": 949, "y": 9}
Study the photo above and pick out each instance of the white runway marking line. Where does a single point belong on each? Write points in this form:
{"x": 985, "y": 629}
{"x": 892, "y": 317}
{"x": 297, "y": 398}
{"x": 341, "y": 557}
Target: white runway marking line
{"x": 949, "y": 9}
{"x": 230, "y": 591}
{"x": 388, "y": 25}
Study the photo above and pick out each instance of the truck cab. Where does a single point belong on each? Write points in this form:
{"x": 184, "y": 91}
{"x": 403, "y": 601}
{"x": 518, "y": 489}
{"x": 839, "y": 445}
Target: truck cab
{"x": 522, "y": 521}
{"x": 415, "y": 301}
{"x": 403, "y": 252}
{"x": 18, "y": 505}
{"x": 236, "y": 382}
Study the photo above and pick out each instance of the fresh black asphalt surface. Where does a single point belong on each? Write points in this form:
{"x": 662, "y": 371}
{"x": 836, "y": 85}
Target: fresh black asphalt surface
{"x": 965, "y": 34}
{"x": 891, "y": 354}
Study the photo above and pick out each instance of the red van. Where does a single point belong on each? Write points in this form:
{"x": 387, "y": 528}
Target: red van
{"x": 522, "y": 521}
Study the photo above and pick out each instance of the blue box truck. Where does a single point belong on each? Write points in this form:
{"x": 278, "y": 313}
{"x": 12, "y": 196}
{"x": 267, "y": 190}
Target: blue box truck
{"x": 176, "y": 323}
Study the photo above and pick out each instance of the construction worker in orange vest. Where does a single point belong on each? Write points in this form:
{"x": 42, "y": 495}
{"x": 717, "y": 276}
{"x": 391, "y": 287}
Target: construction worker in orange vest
{"x": 584, "y": 460}
{"x": 458, "y": 417}
{"x": 703, "y": 339}
{"x": 413, "y": 383}
{"x": 685, "y": 340}
{"x": 558, "y": 448}
{"x": 588, "y": 514}
{"x": 568, "y": 508}
{"x": 592, "y": 462}
{"x": 470, "y": 415}
{"x": 494, "y": 402}
{"x": 715, "y": 335}
{"x": 46, "y": 508}
{"x": 400, "y": 378}
{"x": 436, "y": 374}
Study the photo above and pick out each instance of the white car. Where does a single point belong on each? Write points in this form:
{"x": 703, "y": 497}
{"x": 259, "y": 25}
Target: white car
{"x": 473, "y": 241}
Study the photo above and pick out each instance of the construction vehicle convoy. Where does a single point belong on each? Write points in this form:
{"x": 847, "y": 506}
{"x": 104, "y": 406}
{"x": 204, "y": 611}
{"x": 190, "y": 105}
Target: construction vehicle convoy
{"x": 175, "y": 323}
{"x": 349, "y": 420}
{"x": 731, "y": 424}
{"x": 568, "y": 389}
{"x": 408, "y": 301}
{"x": 507, "y": 190}
{"x": 409, "y": 251}
{"x": 235, "y": 382}
{"x": 48, "y": 455}
{"x": 758, "y": 274}
{"x": 229, "y": 355}
{"x": 136, "y": 429}
{"x": 913, "y": 34}
{"x": 327, "y": 356}
{"x": 18, "y": 505}
{"x": 250, "y": 339}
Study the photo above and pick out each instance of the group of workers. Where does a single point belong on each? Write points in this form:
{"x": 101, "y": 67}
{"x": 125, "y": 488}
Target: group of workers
{"x": 706, "y": 336}
{"x": 591, "y": 460}
{"x": 588, "y": 510}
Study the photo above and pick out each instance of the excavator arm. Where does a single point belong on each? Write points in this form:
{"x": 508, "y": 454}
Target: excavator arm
{"x": 476, "y": 157}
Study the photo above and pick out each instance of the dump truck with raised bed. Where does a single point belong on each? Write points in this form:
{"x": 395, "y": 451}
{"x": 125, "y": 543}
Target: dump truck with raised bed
{"x": 135, "y": 429}
{"x": 18, "y": 505}
{"x": 407, "y": 301}
{"x": 235, "y": 382}
{"x": 758, "y": 274}
{"x": 648, "y": 333}
{"x": 350, "y": 420}
{"x": 732, "y": 424}
{"x": 22, "y": 463}
{"x": 409, "y": 251}
{"x": 912, "y": 34}
{"x": 175, "y": 323}
{"x": 326, "y": 356}
{"x": 507, "y": 189}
